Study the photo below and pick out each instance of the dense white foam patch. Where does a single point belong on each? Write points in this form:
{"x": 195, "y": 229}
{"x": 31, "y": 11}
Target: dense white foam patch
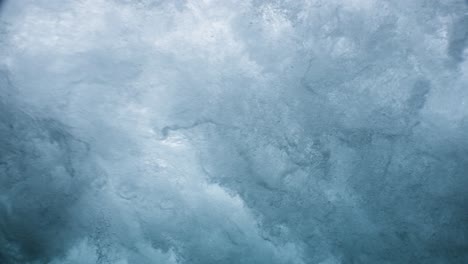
{"x": 233, "y": 131}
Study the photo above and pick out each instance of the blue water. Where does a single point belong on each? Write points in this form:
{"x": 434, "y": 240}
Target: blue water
{"x": 247, "y": 131}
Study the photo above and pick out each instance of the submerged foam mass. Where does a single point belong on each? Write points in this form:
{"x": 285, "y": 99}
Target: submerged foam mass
{"x": 251, "y": 131}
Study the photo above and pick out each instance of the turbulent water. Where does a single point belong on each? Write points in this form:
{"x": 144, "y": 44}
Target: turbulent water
{"x": 233, "y": 131}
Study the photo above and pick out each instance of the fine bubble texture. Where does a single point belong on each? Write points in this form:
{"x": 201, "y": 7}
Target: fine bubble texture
{"x": 233, "y": 131}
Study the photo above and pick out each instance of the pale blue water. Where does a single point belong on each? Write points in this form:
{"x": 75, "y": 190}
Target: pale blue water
{"x": 248, "y": 131}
